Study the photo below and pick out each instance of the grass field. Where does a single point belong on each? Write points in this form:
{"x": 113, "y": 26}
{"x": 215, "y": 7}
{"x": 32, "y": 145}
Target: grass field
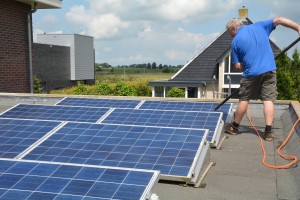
{"x": 136, "y": 80}
{"x": 114, "y": 78}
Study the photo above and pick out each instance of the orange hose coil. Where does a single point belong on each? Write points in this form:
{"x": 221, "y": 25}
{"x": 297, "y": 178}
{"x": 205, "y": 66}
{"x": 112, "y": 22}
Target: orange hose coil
{"x": 285, "y": 156}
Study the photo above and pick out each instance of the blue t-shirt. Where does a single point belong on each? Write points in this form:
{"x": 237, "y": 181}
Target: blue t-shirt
{"x": 251, "y": 48}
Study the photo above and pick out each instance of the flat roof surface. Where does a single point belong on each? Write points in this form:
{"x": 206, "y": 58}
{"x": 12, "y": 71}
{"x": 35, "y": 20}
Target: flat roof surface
{"x": 238, "y": 172}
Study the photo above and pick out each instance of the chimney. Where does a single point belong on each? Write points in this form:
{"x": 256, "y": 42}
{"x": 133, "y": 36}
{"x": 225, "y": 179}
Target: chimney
{"x": 243, "y": 12}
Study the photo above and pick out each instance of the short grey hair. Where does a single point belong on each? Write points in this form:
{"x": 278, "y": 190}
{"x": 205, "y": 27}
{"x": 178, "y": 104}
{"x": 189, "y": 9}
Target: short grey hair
{"x": 234, "y": 23}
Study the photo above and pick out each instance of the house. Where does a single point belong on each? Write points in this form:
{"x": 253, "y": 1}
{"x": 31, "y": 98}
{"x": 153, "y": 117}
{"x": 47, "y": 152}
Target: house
{"x": 60, "y": 60}
{"x": 210, "y": 74}
{"x": 16, "y": 69}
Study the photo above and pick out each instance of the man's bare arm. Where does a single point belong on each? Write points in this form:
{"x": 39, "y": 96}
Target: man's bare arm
{"x": 287, "y": 23}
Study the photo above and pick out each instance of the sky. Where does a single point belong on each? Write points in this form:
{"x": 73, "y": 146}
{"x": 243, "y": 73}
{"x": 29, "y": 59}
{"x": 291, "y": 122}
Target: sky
{"x": 170, "y": 32}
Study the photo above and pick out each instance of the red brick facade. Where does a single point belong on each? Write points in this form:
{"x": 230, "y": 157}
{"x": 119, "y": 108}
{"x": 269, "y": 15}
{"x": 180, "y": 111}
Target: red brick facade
{"x": 14, "y": 53}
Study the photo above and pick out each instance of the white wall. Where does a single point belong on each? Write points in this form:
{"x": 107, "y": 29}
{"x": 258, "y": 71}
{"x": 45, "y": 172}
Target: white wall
{"x": 84, "y": 58}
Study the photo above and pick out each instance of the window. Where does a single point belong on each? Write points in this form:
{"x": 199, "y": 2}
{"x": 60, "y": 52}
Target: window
{"x": 230, "y": 73}
{"x": 159, "y": 91}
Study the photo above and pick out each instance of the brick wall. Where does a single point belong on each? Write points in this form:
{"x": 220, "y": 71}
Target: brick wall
{"x": 14, "y": 54}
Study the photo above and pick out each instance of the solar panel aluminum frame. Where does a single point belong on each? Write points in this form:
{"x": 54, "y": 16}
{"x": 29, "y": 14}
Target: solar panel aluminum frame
{"x": 8, "y": 110}
{"x": 230, "y": 114}
{"x": 217, "y": 137}
{"x": 200, "y": 164}
{"x": 60, "y": 101}
{"x": 145, "y": 196}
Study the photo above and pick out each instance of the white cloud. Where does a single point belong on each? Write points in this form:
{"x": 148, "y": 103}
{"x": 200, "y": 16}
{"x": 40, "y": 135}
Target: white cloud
{"x": 160, "y": 46}
{"x": 105, "y": 26}
{"x": 78, "y": 15}
{"x": 107, "y": 19}
{"x": 166, "y": 32}
{"x": 106, "y": 6}
{"x": 181, "y": 9}
{"x": 189, "y": 10}
{"x": 147, "y": 32}
{"x": 100, "y": 26}
{"x": 289, "y": 9}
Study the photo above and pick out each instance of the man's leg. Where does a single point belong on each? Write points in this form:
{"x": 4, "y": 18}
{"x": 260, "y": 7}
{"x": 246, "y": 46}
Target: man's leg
{"x": 269, "y": 111}
{"x": 240, "y": 112}
{"x": 268, "y": 96}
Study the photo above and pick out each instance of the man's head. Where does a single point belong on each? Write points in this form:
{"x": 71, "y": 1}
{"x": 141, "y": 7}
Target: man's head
{"x": 233, "y": 25}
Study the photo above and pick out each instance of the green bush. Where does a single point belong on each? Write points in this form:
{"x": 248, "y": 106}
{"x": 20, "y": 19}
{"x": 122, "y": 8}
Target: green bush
{"x": 81, "y": 89}
{"x": 176, "y": 92}
{"x": 103, "y": 89}
{"x": 143, "y": 90}
{"x": 37, "y": 85}
{"x": 124, "y": 90}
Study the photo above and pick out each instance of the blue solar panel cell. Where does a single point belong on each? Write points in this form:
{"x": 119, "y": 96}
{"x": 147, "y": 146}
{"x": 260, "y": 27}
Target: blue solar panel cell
{"x": 59, "y": 113}
{"x": 17, "y": 135}
{"x": 123, "y": 146}
{"x": 93, "y": 102}
{"x": 24, "y": 180}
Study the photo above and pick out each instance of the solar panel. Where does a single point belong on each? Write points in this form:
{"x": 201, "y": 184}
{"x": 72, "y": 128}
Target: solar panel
{"x": 63, "y": 113}
{"x": 95, "y": 102}
{"x": 40, "y": 180}
{"x": 173, "y": 151}
{"x": 226, "y": 108}
{"x": 18, "y": 135}
{"x": 161, "y": 118}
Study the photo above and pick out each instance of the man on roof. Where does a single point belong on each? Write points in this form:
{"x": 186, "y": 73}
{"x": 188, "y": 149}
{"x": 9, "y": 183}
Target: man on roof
{"x": 252, "y": 54}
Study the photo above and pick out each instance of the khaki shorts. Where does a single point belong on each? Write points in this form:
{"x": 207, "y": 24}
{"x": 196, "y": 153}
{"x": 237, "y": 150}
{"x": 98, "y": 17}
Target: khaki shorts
{"x": 261, "y": 87}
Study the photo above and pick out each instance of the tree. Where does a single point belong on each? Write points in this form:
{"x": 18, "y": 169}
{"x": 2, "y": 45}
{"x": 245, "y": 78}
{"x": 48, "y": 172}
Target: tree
{"x": 176, "y": 92}
{"x": 295, "y": 71}
{"x": 104, "y": 65}
{"x": 166, "y": 70}
{"x": 288, "y": 77}
{"x": 153, "y": 65}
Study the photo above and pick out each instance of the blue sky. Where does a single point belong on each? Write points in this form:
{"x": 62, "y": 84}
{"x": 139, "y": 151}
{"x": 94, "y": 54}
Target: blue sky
{"x": 168, "y": 32}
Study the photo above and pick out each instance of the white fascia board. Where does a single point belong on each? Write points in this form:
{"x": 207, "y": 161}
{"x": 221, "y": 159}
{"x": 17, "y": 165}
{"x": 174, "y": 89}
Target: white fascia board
{"x": 43, "y": 4}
